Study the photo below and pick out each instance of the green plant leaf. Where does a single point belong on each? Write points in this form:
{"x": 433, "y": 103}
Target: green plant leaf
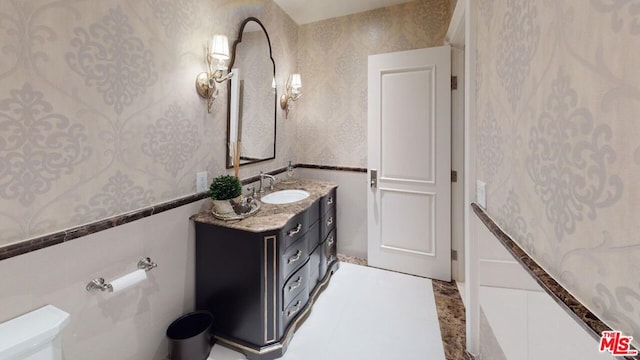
{"x": 225, "y": 187}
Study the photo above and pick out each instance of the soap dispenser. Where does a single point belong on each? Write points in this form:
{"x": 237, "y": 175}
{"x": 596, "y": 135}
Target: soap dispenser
{"x": 290, "y": 173}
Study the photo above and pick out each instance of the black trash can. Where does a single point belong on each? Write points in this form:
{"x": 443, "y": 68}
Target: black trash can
{"x": 189, "y": 336}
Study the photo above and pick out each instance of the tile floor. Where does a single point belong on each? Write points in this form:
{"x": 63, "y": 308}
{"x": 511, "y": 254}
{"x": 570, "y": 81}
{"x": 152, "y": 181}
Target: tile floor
{"x": 369, "y": 314}
{"x": 451, "y": 314}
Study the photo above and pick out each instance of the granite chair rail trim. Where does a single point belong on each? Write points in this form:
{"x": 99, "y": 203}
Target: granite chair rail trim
{"x": 588, "y": 320}
{"x": 335, "y": 168}
{"x": 44, "y": 241}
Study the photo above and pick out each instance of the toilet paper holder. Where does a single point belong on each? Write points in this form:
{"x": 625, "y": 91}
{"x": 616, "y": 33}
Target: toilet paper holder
{"x": 100, "y": 284}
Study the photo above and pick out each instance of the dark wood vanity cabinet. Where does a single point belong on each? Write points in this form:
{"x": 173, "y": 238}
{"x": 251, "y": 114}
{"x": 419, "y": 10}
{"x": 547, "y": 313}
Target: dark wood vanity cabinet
{"x": 328, "y": 232}
{"x": 260, "y": 285}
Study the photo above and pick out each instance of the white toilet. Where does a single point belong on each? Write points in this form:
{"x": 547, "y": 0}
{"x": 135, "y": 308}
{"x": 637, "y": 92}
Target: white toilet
{"x": 33, "y": 336}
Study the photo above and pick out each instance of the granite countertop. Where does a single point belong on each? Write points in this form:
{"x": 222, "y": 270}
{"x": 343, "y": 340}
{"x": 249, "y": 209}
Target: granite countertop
{"x": 270, "y": 216}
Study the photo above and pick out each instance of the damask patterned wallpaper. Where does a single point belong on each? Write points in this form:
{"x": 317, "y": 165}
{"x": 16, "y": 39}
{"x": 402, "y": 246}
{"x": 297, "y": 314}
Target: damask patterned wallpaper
{"x": 558, "y": 142}
{"x": 332, "y": 60}
{"x": 98, "y": 110}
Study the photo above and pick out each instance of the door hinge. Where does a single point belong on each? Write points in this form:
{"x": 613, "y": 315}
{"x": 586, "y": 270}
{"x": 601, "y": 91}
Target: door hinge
{"x": 454, "y": 255}
{"x": 454, "y": 83}
{"x": 454, "y": 176}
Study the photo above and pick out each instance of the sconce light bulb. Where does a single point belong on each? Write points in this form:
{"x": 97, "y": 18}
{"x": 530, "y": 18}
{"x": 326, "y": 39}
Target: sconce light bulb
{"x": 221, "y": 65}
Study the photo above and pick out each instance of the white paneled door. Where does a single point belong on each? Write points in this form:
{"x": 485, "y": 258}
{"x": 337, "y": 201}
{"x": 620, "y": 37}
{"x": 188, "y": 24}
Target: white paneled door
{"x": 409, "y": 155}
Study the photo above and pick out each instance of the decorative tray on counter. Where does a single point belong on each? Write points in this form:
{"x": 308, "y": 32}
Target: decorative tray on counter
{"x": 255, "y": 206}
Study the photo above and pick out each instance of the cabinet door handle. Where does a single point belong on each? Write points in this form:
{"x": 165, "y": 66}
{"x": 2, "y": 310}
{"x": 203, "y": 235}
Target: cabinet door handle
{"x": 331, "y": 241}
{"x": 330, "y": 200}
{"x": 296, "y": 284}
{"x": 295, "y": 257}
{"x": 294, "y": 231}
{"x": 330, "y": 221}
{"x": 295, "y": 309}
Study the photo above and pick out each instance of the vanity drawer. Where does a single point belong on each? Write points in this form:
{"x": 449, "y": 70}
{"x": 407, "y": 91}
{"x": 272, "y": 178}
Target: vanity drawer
{"x": 294, "y": 307}
{"x": 296, "y": 283}
{"x": 313, "y": 237}
{"x": 299, "y": 225}
{"x": 328, "y": 201}
{"x": 327, "y": 223}
{"x": 314, "y": 268}
{"x": 294, "y": 257}
{"x": 328, "y": 253}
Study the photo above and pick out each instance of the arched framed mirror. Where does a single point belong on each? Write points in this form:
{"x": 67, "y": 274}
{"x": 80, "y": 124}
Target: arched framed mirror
{"x": 251, "y": 119}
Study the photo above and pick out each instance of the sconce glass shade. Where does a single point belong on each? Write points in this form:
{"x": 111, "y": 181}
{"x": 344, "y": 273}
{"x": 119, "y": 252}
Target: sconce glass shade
{"x": 296, "y": 81}
{"x": 219, "y": 47}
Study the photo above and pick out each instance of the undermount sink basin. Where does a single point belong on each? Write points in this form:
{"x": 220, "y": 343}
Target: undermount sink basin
{"x": 284, "y": 197}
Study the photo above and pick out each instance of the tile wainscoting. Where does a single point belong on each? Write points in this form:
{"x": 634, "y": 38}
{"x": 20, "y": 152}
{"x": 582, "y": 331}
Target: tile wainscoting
{"x": 566, "y": 301}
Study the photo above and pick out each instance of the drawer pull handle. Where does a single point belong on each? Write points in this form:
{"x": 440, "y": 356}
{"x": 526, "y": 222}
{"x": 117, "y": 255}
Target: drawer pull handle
{"x": 295, "y": 257}
{"x": 296, "y": 284}
{"x": 295, "y": 309}
{"x": 295, "y": 231}
{"x": 330, "y": 200}
{"x": 330, "y": 241}
{"x": 330, "y": 221}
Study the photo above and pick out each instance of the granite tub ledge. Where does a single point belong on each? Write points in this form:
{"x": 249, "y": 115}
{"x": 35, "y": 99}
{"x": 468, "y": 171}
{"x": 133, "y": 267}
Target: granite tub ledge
{"x": 271, "y": 216}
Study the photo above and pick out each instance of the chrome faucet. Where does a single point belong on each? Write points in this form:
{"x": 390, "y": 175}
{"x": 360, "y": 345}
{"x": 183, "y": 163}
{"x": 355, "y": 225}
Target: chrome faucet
{"x": 272, "y": 181}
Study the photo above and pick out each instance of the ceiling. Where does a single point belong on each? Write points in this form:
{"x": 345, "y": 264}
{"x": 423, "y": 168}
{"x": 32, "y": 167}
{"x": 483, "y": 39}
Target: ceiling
{"x": 308, "y": 11}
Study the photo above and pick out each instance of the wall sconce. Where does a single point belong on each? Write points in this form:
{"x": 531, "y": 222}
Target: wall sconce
{"x": 217, "y": 50}
{"x": 292, "y": 93}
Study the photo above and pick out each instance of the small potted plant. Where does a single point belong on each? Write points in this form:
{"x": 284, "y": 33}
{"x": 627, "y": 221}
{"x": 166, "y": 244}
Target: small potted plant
{"x": 225, "y": 190}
